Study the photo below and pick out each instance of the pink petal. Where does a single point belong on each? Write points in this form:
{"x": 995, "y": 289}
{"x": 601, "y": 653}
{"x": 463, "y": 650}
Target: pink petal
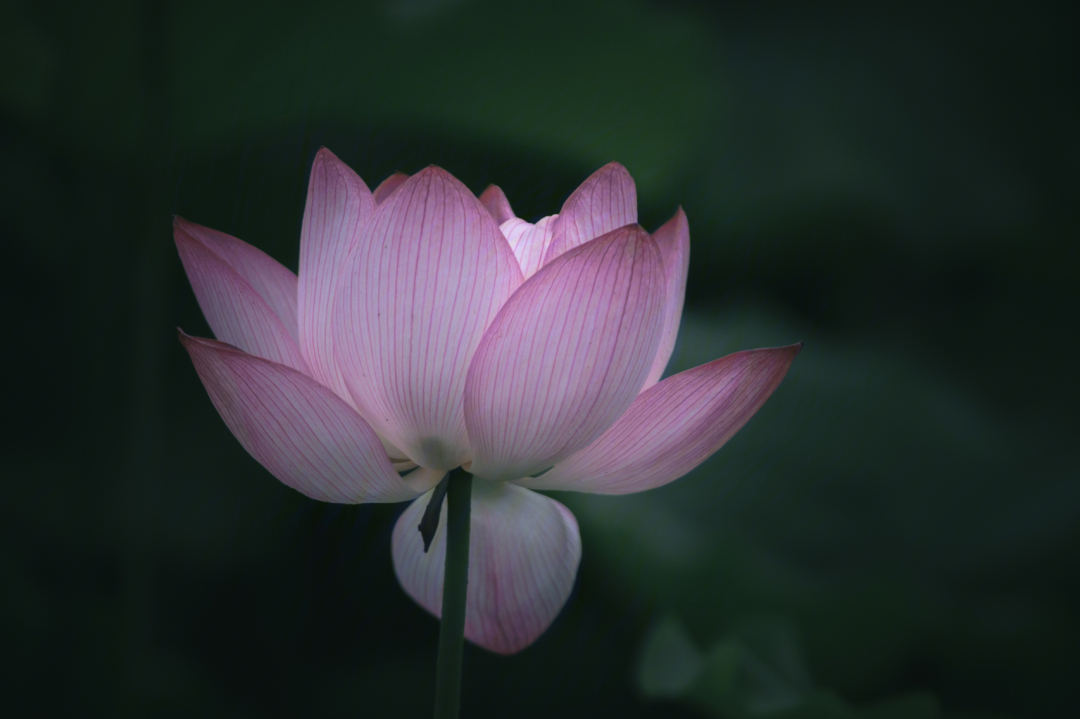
{"x": 566, "y": 355}
{"x": 387, "y": 187}
{"x": 275, "y": 283}
{"x": 606, "y": 201}
{"x": 524, "y": 551}
{"x": 673, "y": 427}
{"x": 429, "y": 275}
{"x": 494, "y": 199}
{"x": 235, "y": 311}
{"x": 673, "y": 239}
{"x": 338, "y": 206}
{"x": 300, "y": 431}
{"x": 529, "y": 242}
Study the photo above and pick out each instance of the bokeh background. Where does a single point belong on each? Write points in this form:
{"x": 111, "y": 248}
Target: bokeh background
{"x": 896, "y": 534}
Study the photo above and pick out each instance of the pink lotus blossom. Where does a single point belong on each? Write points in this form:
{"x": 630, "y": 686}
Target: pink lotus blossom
{"x": 430, "y": 329}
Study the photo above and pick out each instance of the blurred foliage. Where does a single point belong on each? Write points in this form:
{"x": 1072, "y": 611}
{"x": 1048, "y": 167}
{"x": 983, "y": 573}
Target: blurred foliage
{"x": 756, "y": 672}
{"x": 895, "y": 535}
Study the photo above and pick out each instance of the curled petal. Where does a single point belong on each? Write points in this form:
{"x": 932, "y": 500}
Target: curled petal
{"x": 339, "y": 204}
{"x": 524, "y": 552}
{"x": 274, "y": 282}
{"x": 673, "y": 239}
{"x": 300, "y": 431}
{"x": 673, "y": 427}
{"x": 494, "y": 199}
{"x": 529, "y": 242}
{"x": 566, "y": 355}
{"x": 387, "y": 187}
{"x": 235, "y": 311}
{"x": 428, "y": 276}
{"x": 606, "y": 201}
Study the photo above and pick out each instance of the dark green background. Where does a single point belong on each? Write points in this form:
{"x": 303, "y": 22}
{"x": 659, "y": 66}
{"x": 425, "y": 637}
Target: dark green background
{"x": 894, "y": 535}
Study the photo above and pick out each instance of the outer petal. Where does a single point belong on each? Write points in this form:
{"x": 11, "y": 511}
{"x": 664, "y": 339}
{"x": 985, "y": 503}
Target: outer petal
{"x": 606, "y": 201}
{"x": 427, "y": 278}
{"x": 387, "y": 187}
{"x": 236, "y": 312}
{"x": 529, "y": 242}
{"x": 524, "y": 551}
{"x": 275, "y": 283}
{"x": 673, "y": 427}
{"x": 494, "y": 199}
{"x": 303, "y": 433}
{"x": 339, "y": 204}
{"x": 566, "y": 355}
{"x": 673, "y": 239}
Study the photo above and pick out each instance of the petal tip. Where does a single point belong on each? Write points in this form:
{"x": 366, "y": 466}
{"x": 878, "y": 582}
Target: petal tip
{"x": 496, "y": 202}
{"x": 182, "y": 227}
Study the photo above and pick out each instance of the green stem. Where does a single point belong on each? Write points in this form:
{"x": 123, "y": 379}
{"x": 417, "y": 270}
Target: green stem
{"x": 455, "y": 584}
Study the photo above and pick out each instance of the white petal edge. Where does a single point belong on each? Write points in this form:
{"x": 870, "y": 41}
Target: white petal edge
{"x": 528, "y": 241}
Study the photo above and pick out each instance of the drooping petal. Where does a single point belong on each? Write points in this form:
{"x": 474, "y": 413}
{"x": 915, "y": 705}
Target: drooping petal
{"x": 566, "y": 355}
{"x": 387, "y": 187}
{"x": 673, "y": 427}
{"x": 494, "y": 199}
{"x": 299, "y": 430}
{"x": 274, "y": 282}
{"x": 606, "y": 201}
{"x": 524, "y": 552}
{"x": 528, "y": 241}
{"x": 673, "y": 239}
{"x": 338, "y": 206}
{"x": 235, "y": 311}
{"x": 429, "y": 275}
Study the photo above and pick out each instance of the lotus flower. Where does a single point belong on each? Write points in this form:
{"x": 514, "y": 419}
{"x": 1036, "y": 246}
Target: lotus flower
{"x": 430, "y": 329}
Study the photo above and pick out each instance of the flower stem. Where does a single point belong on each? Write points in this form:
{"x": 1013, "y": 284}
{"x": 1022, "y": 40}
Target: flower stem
{"x": 455, "y": 584}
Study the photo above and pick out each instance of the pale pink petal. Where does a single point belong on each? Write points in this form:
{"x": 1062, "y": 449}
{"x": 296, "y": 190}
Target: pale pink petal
{"x": 387, "y": 187}
{"x": 673, "y": 427}
{"x": 528, "y": 241}
{"x": 566, "y": 355}
{"x": 338, "y": 206}
{"x": 300, "y": 431}
{"x": 274, "y": 282}
{"x": 428, "y": 276}
{"x": 235, "y": 312}
{"x": 524, "y": 551}
{"x": 494, "y": 199}
{"x": 673, "y": 239}
{"x": 606, "y": 201}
